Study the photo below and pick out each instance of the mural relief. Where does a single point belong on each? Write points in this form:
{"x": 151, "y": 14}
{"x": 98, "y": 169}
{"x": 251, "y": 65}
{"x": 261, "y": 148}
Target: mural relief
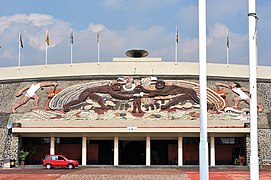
{"x": 242, "y": 94}
{"x": 31, "y": 94}
{"x": 126, "y": 98}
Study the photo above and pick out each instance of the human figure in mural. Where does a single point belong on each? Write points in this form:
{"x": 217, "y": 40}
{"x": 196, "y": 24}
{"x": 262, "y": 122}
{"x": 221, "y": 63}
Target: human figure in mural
{"x": 241, "y": 92}
{"x": 31, "y": 94}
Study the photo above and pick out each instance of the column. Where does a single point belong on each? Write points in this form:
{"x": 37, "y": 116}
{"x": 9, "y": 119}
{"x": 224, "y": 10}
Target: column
{"x": 116, "y": 151}
{"x": 148, "y": 151}
{"x": 180, "y": 151}
{"x": 84, "y": 151}
{"x": 52, "y": 146}
{"x": 212, "y": 151}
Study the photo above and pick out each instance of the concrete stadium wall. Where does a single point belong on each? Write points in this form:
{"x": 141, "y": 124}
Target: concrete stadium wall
{"x": 9, "y": 145}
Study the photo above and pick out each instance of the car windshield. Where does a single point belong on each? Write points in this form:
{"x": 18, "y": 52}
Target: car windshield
{"x": 47, "y": 157}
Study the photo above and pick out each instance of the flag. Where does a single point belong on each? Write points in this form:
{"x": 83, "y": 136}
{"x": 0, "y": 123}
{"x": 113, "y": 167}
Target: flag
{"x": 47, "y": 39}
{"x": 21, "y": 41}
{"x": 177, "y": 35}
{"x": 71, "y": 37}
{"x": 228, "y": 39}
{"x": 98, "y": 37}
{"x": 256, "y": 38}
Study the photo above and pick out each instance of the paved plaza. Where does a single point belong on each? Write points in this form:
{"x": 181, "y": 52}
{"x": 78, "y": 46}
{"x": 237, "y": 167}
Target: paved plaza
{"x": 83, "y": 173}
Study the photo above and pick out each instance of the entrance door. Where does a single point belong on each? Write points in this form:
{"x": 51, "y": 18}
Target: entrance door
{"x": 100, "y": 152}
{"x": 132, "y": 152}
{"x": 191, "y": 150}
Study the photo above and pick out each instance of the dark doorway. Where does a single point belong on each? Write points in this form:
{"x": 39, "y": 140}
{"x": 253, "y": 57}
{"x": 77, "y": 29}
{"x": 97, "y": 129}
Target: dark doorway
{"x": 132, "y": 152}
{"x": 191, "y": 150}
{"x": 37, "y": 147}
{"x": 100, "y": 152}
{"x": 164, "y": 152}
{"x": 71, "y": 147}
{"x": 228, "y": 149}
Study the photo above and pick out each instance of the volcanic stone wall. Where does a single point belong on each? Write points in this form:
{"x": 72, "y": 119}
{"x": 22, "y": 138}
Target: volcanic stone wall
{"x": 9, "y": 144}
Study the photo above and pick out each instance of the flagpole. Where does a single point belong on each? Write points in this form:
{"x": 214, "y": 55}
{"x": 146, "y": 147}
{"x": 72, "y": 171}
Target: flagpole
{"x": 46, "y": 47}
{"x": 46, "y": 54}
{"x": 19, "y": 44}
{"x": 71, "y": 41}
{"x": 203, "y": 146}
{"x": 71, "y": 54}
{"x": 254, "y": 159}
{"x": 98, "y": 48}
{"x": 176, "y": 46}
{"x": 227, "y": 37}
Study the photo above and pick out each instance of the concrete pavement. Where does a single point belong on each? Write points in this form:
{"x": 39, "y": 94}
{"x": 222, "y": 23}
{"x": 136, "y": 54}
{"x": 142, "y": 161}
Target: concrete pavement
{"x": 124, "y": 173}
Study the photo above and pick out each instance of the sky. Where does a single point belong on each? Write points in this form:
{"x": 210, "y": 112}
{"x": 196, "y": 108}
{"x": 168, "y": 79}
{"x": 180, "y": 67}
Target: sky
{"x": 128, "y": 24}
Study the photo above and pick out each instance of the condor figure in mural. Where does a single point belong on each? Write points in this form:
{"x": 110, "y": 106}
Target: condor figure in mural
{"x": 146, "y": 98}
{"x": 125, "y": 89}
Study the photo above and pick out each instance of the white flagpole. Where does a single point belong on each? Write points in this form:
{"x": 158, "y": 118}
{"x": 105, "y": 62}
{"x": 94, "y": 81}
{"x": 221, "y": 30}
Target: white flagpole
{"x": 19, "y": 47}
{"x": 228, "y": 41}
{"x": 254, "y": 159}
{"x": 71, "y": 54}
{"x": 176, "y": 46}
{"x": 98, "y": 48}
{"x": 203, "y": 146}
{"x": 46, "y": 46}
{"x": 46, "y": 54}
{"x": 71, "y": 41}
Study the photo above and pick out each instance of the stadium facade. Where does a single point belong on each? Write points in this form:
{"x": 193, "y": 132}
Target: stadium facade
{"x": 132, "y": 111}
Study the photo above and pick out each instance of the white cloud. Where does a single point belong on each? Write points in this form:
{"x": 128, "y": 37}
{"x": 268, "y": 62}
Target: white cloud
{"x": 155, "y": 39}
{"x": 113, "y": 3}
{"x": 216, "y": 45}
{"x": 33, "y": 29}
{"x": 96, "y": 27}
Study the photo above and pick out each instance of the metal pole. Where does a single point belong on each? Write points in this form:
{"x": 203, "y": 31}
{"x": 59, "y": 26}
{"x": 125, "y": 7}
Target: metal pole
{"x": 71, "y": 42}
{"x": 19, "y": 44}
{"x": 204, "y": 169}
{"x": 46, "y": 54}
{"x": 176, "y": 46}
{"x": 98, "y": 58}
{"x": 227, "y": 47}
{"x": 71, "y": 53}
{"x": 98, "y": 47}
{"x": 254, "y": 159}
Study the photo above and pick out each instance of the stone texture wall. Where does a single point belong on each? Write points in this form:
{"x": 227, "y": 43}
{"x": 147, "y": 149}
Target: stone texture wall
{"x": 7, "y": 95}
{"x": 248, "y": 149}
{"x": 264, "y": 148}
{"x": 9, "y": 144}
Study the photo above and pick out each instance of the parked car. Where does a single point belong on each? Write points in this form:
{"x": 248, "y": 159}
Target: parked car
{"x": 51, "y": 161}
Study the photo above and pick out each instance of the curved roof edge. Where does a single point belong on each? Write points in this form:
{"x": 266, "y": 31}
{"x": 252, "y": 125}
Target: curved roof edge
{"x": 107, "y": 69}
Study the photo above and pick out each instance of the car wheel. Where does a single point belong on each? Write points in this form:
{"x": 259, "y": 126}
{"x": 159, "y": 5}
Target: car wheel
{"x": 48, "y": 166}
{"x": 70, "y": 166}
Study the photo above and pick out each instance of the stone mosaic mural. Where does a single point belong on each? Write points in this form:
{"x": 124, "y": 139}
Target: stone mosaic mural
{"x": 129, "y": 98}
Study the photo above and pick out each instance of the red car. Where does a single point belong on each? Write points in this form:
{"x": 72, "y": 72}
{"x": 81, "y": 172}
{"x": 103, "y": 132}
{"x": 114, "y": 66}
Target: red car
{"x": 51, "y": 161}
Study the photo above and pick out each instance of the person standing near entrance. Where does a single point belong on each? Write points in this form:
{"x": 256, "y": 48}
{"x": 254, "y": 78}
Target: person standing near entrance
{"x": 31, "y": 94}
{"x": 241, "y": 92}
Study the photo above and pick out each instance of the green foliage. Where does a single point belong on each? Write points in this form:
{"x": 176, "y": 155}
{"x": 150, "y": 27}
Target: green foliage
{"x": 23, "y": 154}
